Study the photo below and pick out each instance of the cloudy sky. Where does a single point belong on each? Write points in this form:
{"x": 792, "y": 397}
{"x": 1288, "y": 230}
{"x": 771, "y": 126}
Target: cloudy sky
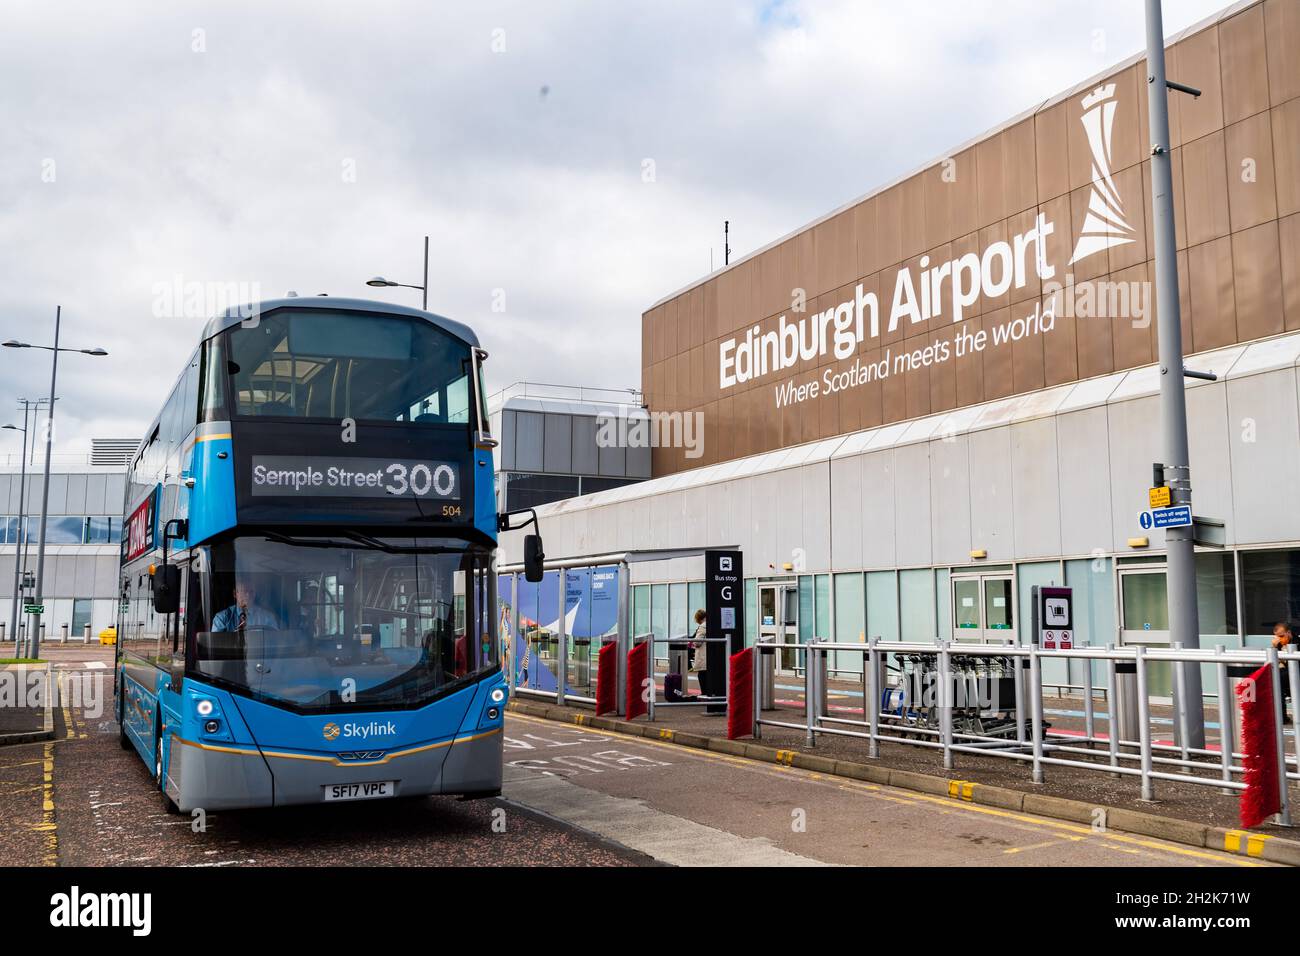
{"x": 579, "y": 157}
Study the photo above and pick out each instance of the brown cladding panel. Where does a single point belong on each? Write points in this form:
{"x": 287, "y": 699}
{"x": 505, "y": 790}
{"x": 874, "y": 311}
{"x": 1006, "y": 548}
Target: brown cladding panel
{"x": 893, "y": 391}
{"x": 1282, "y": 33}
{"x": 913, "y": 218}
{"x": 991, "y": 173}
{"x": 969, "y": 365}
{"x": 1132, "y": 321}
{"x": 1248, "y": 149}
{"x": 1129, "y": 136}
{"x": 1244, "y": 71}
{"x": 1027, "y": 372}
{"x": 998, "y": 376}
{"x": 937, "y": 183}
{"x": 1060, "y": 347}
{"x": 916, "y": 375}
{"x": 1206, "y": 189}
{"x": 1286, "y": 152}
{"x": 1020, "y": 176}
{"x": 1053, "y": 151}
{"x": 889, "y": 226}
{"x": 1214, "y": 313}
{"x": 963, "y": 204}
{"x": 1095, "y": 345}
{"x": 866, "y": 243}
{"x": 1256, "y": 268}
{"x": 1195, "y": 61}
{"x": 1289, "y": 248}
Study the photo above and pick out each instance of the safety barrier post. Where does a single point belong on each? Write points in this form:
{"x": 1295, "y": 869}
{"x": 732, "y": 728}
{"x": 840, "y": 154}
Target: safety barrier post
{"x": 85, "y": 633}
{"x": 1180, "y": 707}
{"x": 1144, "y": 722}
{"x": 945, "y": 702}
{"x": 1089, "y": 724}
{"x": 63, "y": 633}
{"x": 1279, "y": 738}
{"x": 810, "y": 690}
{"x": 1227, "y": 739}
{"x": 740, "y": 682}
{"x": 1036, "y": 710}
{"x": 636, "y": 675}
{"x": 607, "y": 679}
{"x": 562, "y": 649}
{"x": 1112, "y": 708}
{"x": 1018, "y": 676}
{"x": 1293, "y": 673}
{"x": 872, "y": 701}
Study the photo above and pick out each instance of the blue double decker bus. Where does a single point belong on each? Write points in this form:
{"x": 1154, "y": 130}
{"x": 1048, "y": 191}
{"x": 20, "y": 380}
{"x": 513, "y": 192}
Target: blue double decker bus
{"x": 308, "y": 600}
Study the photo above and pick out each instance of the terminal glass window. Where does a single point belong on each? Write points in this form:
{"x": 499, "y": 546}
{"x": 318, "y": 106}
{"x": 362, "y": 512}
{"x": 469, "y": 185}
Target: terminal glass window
{"x": 1270, "y": 591}
{"x": 882, "y": 605}
{"x": 916, "y": 605}
{"x": 334, "y": 365}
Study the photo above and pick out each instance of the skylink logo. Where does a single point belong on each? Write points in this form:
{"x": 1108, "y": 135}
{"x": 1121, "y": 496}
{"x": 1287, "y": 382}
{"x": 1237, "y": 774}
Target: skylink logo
{"x": 362, "y": 731}
{"x": 76, "y": 909}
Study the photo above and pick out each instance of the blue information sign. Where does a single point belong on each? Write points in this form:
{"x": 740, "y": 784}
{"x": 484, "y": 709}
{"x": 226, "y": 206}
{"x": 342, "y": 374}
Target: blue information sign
{"x": 1179, "y": 516}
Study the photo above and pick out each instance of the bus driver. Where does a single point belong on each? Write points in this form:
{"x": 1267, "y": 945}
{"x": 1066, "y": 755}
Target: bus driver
{"x": 245, "y": 612}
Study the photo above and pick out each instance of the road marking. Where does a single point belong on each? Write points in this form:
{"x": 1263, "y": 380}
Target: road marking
{"x": 944, "y": 804}
{"x": 48, "y": 825}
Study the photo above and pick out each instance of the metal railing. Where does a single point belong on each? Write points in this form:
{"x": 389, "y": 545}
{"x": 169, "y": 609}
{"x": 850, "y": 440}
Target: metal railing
{"x": 931, "y": 705}
{"x": 700, "y": 701}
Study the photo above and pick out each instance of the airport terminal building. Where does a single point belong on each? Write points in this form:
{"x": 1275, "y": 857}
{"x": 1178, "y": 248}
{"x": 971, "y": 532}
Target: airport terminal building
{"x": 943, "y": 393}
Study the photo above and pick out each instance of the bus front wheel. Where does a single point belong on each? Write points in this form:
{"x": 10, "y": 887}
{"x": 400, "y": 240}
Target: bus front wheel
{"x": 168, "y": 803}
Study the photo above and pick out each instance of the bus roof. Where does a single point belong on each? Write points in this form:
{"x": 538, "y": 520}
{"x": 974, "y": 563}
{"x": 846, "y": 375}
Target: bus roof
{"x": 240, "y": 313}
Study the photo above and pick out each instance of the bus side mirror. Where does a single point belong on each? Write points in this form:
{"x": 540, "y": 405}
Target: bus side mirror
{"x": 533, "y": 558}
{"x": 167, "y": 588}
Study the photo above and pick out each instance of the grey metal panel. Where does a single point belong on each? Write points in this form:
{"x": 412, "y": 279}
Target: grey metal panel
{"x": 815, "y": 539}
{"x": 846, "y": 512}
{"x": 765, "y": 498}
{"x": 76, "y": 495}
{"x": 878, "y": 515}
{"x": 58, "y": 503}
{"x": 992, "y": 502}
{"x": 1263, "y": 407}
{"x": 97, "y": 497}
{"x": 696, "y": 505}
{"x": 1084, "y": 475}
{"x": 1134, "y": 444}
{"x": 638, "y": 461}
{"x": 613, "y": 462}
{"x": 106, "y": 575}
{"x": 912, "y": 501}
{"x": 62, "y": 576}
{"x": 950, "y": 499}
{"x": 83, "y": 576}
{"x": 1035, "y": 478}
{"x": 1210, "y": 435}
{"x": 530, "y": 435}
{"x": 739, "y": 504}
{"x": 116, "y": 494}
{"x": 557, "y": 452}
{"x": 6, "y": 584}
{"x": 507, "y": 438}
{"x": 6, "y": 481}
{"x": 585, "y": 458}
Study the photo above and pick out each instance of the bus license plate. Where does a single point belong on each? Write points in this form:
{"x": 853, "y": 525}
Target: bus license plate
{"x": 360, "y": 791}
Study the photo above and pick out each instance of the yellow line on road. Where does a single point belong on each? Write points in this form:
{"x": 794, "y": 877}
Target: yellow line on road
{"x": 48, "y": 825}
{"x": 945, "y": 804}
{"x": 69, "y": 728}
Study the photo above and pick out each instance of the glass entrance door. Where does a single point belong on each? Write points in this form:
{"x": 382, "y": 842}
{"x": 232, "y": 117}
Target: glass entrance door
{"x": 1144, "y": 619}
{"x": 778, "y": 620}
{"x": 983, "y": 608}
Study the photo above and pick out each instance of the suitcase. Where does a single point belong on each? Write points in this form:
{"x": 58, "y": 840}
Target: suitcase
{"x": 673, "y": 687}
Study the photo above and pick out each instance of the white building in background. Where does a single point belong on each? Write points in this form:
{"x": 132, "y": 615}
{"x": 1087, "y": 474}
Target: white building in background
{"x": 84, "y": 533}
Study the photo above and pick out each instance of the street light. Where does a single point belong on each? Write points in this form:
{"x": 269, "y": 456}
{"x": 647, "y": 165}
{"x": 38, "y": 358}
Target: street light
{"x": 379, "y": 282}
{"x": 22, "y": 501}
{"x": 34, "y": 632}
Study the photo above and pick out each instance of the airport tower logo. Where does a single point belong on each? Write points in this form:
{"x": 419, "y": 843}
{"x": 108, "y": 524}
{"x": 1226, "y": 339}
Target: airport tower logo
{"x": 1104, "y": 225}
{"x": 952, "y": 288}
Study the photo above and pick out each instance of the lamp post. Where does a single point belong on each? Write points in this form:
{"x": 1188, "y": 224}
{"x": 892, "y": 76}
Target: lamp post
{"x": 34, "y": 628}
{"x": 379, "y": 282}
{"x": 21, "y": 541}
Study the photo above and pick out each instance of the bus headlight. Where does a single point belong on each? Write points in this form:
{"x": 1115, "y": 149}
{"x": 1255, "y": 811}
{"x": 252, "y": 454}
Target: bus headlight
{"x": 204, "y": 707}
{"x": 497, "y": 695}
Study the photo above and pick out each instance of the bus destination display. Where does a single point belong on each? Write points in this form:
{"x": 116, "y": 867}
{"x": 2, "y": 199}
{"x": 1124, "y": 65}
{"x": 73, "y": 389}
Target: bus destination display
{"x": 313, "y": 476}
